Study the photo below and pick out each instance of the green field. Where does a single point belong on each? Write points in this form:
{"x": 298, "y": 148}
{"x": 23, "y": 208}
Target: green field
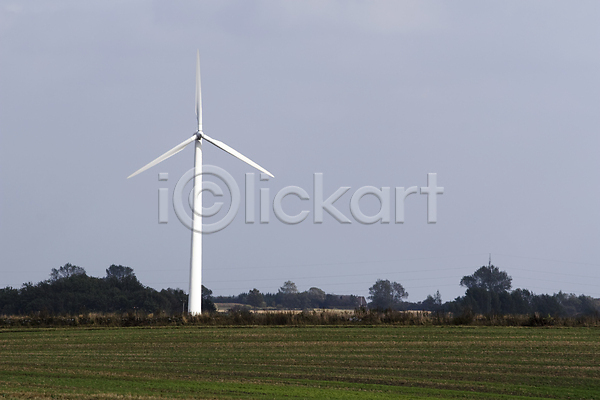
{"x": 301, "y": 362}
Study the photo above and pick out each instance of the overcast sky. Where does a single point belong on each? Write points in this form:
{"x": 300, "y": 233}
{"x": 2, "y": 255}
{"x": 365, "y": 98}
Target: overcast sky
{"x": 500, "y": 99}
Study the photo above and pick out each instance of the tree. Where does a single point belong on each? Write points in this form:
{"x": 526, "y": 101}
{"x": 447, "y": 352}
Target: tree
{"x": 176, "y": 298}
{"x": 433, "y": 303}
{"x": 207, "y": 300}
{"x": 522, "y": 301}
{"x": 119, "y": 272}
{"x": 66, "y": 271}
{"x": 386, "y": 295}
{"x": 255, "y": 298}
{"x": 316, "y": 297}
{"x": 288, "y": 295}
{"x": 289, "y": 287}
{"x": 489, "y": 278}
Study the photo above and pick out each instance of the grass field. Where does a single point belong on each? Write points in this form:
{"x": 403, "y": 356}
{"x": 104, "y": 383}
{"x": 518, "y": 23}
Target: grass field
{"x": 349, "y": 362}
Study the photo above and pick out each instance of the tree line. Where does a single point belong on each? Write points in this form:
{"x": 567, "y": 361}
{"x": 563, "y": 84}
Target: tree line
{"x": 488, "y": 292}
{"x": 289, "y": 297}
{"x": 69, "y": 290}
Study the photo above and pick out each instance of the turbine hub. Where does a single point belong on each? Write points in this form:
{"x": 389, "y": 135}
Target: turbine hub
{"x": 199, "y": 135}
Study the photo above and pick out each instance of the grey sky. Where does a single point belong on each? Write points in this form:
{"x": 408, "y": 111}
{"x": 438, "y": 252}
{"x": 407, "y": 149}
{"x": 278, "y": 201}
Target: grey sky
{"x": 500, "y": 99}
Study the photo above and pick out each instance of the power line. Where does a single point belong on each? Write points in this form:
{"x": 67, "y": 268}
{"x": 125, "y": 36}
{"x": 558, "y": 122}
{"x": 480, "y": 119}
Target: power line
{"x": 548, "y": 259}
{"x": 344, "y": 262}
{"x": 353, "y": 275}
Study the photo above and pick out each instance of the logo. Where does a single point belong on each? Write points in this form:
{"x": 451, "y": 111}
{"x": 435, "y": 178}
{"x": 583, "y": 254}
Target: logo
{"x": 321, "y": 204}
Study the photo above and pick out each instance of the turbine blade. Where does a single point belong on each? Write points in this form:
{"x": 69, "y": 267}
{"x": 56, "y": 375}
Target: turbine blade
{"x": 235, "y": 153}
{"x": 168, "y": 154}
{"x": 198, "y": 93}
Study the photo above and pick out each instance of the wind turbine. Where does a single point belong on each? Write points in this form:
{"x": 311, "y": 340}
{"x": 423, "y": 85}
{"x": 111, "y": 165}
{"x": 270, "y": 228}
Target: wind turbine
{"x": 195, "y": 297}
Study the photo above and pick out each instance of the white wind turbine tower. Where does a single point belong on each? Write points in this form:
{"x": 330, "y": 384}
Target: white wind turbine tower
{"x": 195, "y": 297}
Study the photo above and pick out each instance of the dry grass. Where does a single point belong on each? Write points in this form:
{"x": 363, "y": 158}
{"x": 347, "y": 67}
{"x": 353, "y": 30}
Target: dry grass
{"x": 245, "y": 316}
